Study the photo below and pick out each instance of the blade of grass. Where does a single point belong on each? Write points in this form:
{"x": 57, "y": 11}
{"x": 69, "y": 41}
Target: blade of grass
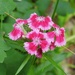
{"x": 55, "y": 9}
{"x": 23, "y": 64}
{"x": 54, "y": 63}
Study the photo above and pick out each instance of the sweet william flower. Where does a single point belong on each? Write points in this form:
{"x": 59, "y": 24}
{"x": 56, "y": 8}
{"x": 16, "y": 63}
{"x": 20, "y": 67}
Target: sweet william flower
{"x": 17, "y": 32}
{"x": 38, "y": 44}
{"x": 60, "y": 37}
{"x": 39, "y": 41}
{"x": 56, "y": 37}
{"x": 36, "y": 22}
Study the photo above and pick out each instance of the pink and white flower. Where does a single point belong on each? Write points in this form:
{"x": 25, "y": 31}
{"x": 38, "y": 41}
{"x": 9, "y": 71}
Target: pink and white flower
{"x": 38, "y": 43}
{"x": 36, "y": 22}
{"x": 16, "y": 33}
{"x": 50, "y": 36}
{"x": 21, "y": 21}
{"x": 60, "y": 38}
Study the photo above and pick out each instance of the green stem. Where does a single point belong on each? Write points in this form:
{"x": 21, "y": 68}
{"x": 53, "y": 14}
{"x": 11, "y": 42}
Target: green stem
{"x": 55, "y": 9}
{"x": 10, "y": 16}
{"x": 1, "y": 23}
{"x": 25, "y": 32}
{"x": 71, "y": 38}
{"x": 22, "y": 65}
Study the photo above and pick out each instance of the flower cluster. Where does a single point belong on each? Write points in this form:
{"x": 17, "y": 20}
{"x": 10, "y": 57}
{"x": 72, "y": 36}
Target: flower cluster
{"x": 42, "y": 37}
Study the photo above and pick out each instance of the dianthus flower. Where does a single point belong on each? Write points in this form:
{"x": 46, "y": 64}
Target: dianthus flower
{"x": 37, "y": 45}
{"x": 17, "y": 32}
{"x": 56, "y": 37}
{"x": 41, "y": 38}
{"x": 60, "y": 37}
{"x": 36, "y": 22}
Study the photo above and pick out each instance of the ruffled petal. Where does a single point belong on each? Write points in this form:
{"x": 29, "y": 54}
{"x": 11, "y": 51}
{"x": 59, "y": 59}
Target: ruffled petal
{"x": 60, "y": 38}
{"x": 50, "y": 36}
{"x": 60, "y": 41}
{"x": 15, "y": 34}
{"x": 44, "y": 46}
{"x": 31, "y": 35}
{"x": 30, "y": 47}
{"x": 52, "y": 46}
{"x": 46, "y": 23}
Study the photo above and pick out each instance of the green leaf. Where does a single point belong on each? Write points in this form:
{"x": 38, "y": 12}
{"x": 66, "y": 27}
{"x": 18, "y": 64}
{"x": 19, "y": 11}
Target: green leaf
{"x": 2, "y": 69}
{"x": 43, "y": 5}
{"x": 6, "y": 6}
{"x": 23, "y": 64}
{"x": 27, "y": 67}
{"x": 7, "y": 27}
{"x": 57, "y": 58}
{"x": 31, "y": 71}
{"x": 3, "y": 44}
{"x": 29, "y": 12}
{"x": 3, "y": 47}
{"x": 54, "y": 63}
{"x": 72, "y": 2}
{"x": 13, "y": 61}
{"x": 15, "y": 44}
{"x": 23, "y": 6}
{"x": 2, "y": 55}
{"x": 66, "y": 8}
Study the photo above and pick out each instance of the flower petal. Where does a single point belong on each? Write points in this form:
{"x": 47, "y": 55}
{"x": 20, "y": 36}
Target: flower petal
{"x": 30, "y": 47}
{"x": 52, "y": 46}
{"x": 44, "y": 46}
{"x": 60, "y": 38}
{"x": 15, "y": 34}
{"x": 50, "y": 36}
{"x": 39, "y": 53}
{"x": 60, "y": 41}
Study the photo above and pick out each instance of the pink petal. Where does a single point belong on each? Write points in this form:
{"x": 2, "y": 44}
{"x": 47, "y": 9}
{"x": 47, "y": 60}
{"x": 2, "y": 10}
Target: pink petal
{"x": 60, "y": 41}
{"x": 32, "y": 17}
{"x": 39, "y": 53}
{"x": 52, "y": 46}
{"x": 50, "y": 36}
{"x": 21, "y": 20}
{"x": 40, "y": 35}
{"x": 45, "y": 24}
{"x": 60, "y": 38}
{"x": 31, "y": 35}
{"x": 34, "y": 26}
{"x": 30, "y": 47}
{"x": 44, "y": 46}
{"x": 55, "y": 26}
{"x": 15, "y": 34}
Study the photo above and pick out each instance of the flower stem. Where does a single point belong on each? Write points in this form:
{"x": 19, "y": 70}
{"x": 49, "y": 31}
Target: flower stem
{"x": 23, "y": 64}
{"x": 10, "y": 15}
{"x": 69, "y": 50}
{"x": 72, "y": 37}
{"x": 55, "y": 9}
{"x": 1, "y": 23}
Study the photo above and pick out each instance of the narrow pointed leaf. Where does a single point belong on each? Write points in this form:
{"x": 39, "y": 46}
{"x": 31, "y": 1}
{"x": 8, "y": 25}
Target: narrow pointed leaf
{"x": 22, "y": 65}
{"x": 54, "y": 63}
